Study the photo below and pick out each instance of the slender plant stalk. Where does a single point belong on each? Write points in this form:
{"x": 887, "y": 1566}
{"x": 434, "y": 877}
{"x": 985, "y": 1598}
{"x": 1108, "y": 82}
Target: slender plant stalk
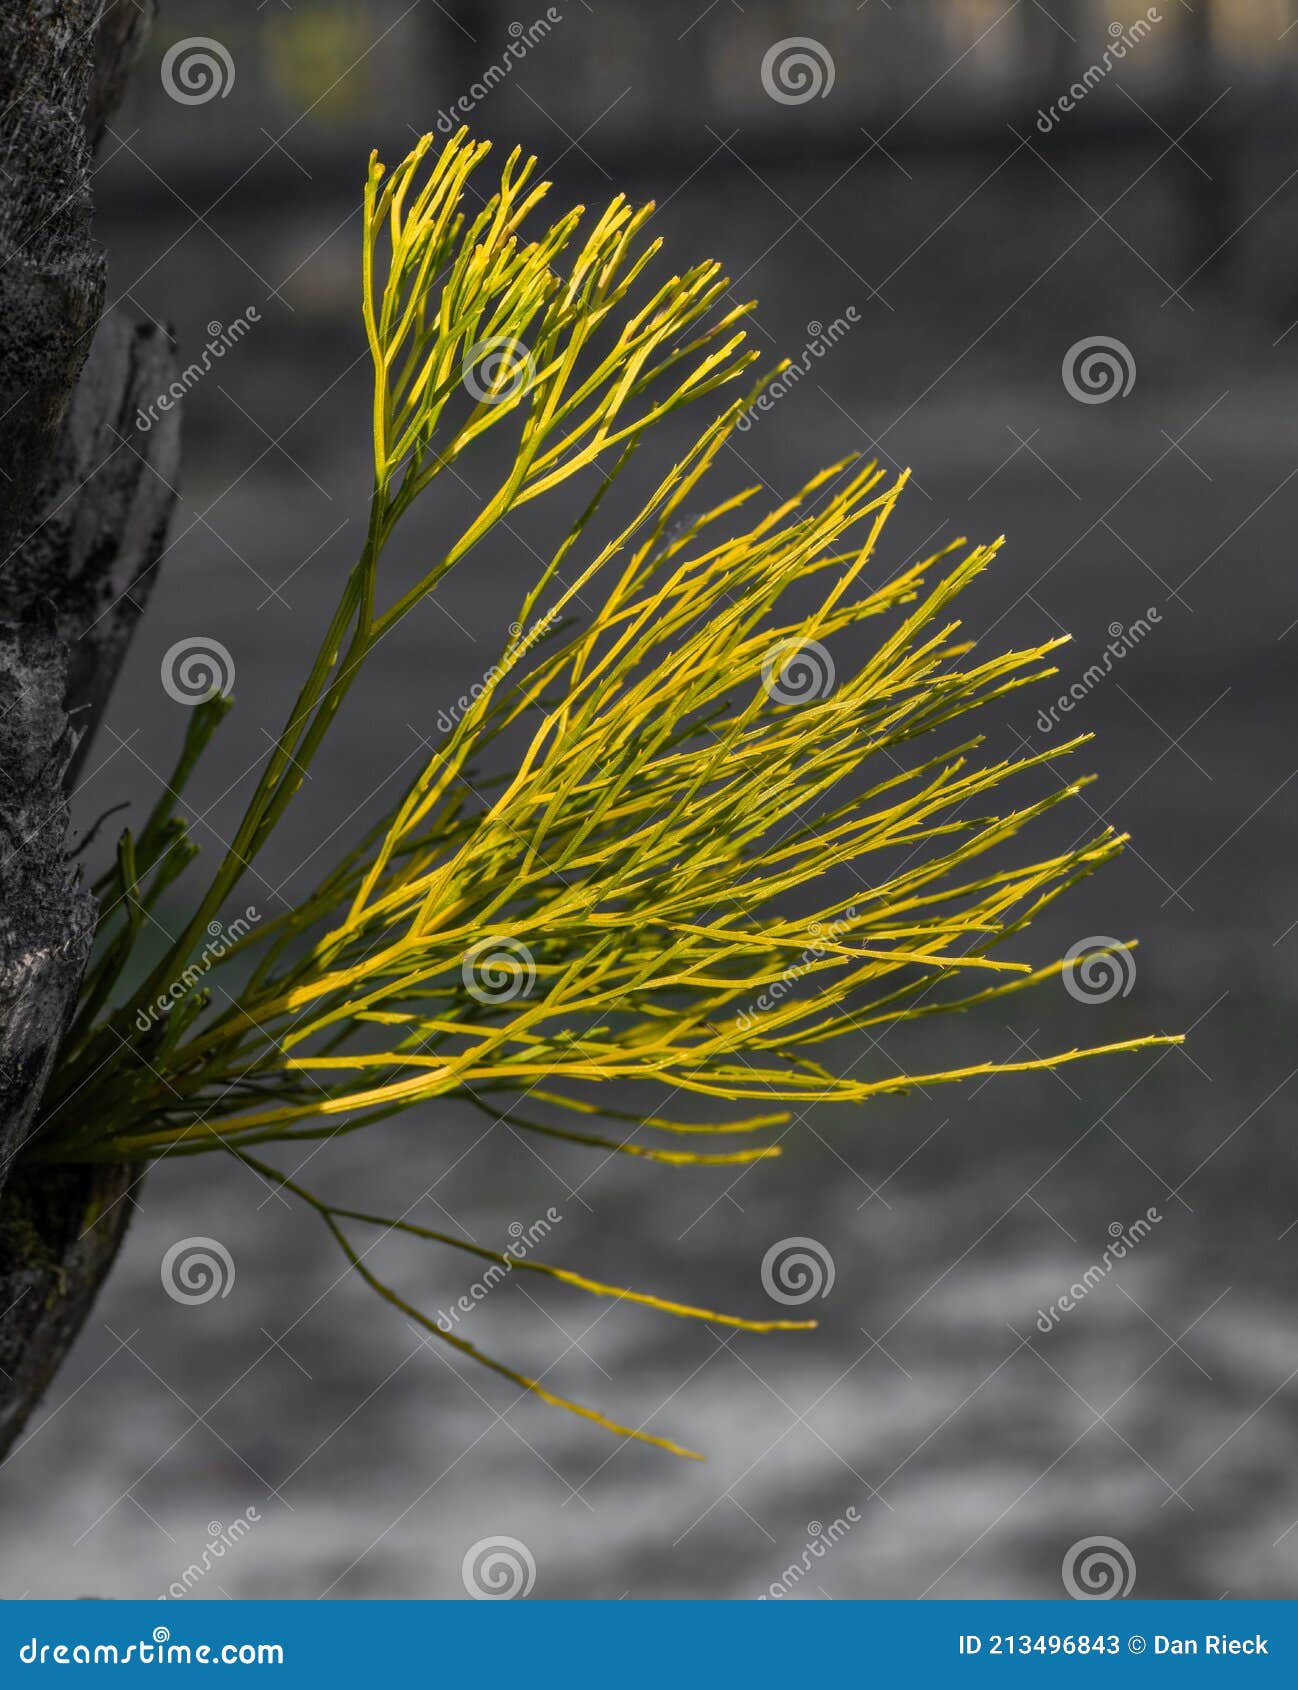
{"x": 641, "y": 898}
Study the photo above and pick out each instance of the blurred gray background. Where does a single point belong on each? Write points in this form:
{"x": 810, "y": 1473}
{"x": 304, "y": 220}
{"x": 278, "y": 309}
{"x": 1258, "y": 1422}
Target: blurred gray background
{"x": 924, "y": 192}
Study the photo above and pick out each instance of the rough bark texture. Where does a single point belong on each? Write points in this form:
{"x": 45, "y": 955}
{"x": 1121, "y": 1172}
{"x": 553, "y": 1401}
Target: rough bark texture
{"x": 100, "y": 518}
{"x": 84, "y": 506}
{"x": 119, "y": 41}
{"x": 52, "y": 280}
{"x": 52, "y": 1254}
{"x": 46, "y": 918}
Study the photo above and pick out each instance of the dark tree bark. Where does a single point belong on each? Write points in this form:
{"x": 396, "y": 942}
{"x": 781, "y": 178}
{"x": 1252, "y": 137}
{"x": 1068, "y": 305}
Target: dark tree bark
{"x": 84, "y": 506}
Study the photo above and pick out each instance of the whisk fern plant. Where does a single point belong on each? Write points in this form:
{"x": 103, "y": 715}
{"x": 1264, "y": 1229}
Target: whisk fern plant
{"x": 691, "y": 770}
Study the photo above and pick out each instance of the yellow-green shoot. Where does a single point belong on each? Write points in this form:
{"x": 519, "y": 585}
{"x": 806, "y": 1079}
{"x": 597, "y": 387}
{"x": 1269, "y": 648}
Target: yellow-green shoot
{"x": 657, "y": 858}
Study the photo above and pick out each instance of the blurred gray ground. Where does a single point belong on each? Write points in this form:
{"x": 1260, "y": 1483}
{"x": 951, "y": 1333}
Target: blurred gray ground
{"x": 975, "y": 1448}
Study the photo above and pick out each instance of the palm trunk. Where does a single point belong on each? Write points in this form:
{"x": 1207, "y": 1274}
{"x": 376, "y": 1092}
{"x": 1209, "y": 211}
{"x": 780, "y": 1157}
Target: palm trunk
{"x": 84, "y": 507}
